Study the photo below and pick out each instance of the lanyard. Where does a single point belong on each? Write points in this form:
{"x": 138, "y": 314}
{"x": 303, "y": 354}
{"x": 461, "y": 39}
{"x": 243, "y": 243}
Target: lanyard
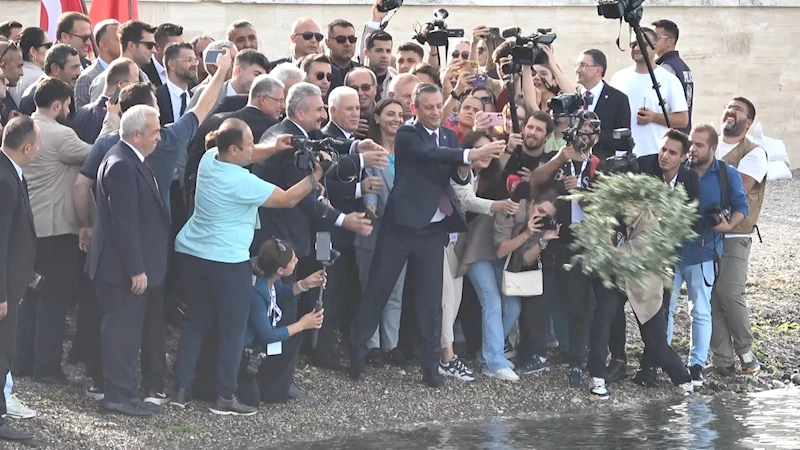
{"x": 580, "y": 175}
{"x": 274, "y": 311}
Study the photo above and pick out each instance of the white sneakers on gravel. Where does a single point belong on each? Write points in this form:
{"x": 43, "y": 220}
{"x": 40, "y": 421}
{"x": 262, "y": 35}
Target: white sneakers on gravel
{"x": 598, "y": 389}
{"x": 505, "y": 374}
{"x": 17, "y": 410}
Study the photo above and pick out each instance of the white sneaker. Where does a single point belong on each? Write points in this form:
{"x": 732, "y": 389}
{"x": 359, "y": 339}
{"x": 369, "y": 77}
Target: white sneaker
{"x": 688, "y": 388}
{"x": 599, "y": 388}
{"x": 17, "y": 410}
{"x": 505, "y": 374}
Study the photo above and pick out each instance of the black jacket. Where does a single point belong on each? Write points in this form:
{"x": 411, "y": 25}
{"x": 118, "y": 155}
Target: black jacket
{"x": 614, "y": 112}
{"x": 17, "y": 238}
{"x": 150, "y": 70}
{"x": 88, "y": 120}
{"x": 341, "y": 181}
{"x": 686, "y": 177}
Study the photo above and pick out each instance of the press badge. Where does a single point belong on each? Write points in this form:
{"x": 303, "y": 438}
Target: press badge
{"x": 274, "y": 349}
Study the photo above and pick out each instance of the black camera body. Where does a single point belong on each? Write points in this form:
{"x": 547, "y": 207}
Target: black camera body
{"x": 620, "y": 9}
{"x": 712, "y": 215}
{"x": 627, "y": 163}
{"x": 254, "y": 358}
{"x": 567, "y": 104}
{"x": 307, "y": 152}
{"x": 436, "y": 33}
{"x": 549, "y": 223}
{"x": 388, "y": 5}
{"x": 526, "y": 50}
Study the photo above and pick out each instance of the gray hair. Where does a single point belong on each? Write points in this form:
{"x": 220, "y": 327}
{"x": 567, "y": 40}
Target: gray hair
{"x": 286, "y": 72}
{"x": 134, "y": 120}
{"x": 298, "y": 97}
{"x": 265, "y": 84}
{"x": 335, "y": 97}
{"x": 218, "y": 45}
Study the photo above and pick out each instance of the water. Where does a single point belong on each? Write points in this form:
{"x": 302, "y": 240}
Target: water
{"x": 768, "y": 420}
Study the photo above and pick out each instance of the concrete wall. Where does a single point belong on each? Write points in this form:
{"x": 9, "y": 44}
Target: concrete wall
{"x": 734, "y": 47}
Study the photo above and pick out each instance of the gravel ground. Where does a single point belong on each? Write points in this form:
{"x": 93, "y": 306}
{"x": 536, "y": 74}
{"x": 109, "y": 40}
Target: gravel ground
{"x": 392, "y": 399}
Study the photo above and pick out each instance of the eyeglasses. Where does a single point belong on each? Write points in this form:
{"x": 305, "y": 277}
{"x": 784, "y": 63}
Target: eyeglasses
{"x": 148, "y": 44}
{"x": 583, "y": 65}
{"x": 464, "y": 55}
{"x": 485, "y": 100}
{"x": 739, "y": 109}
{"x": 279, "y": 100}
{"x": 189, "y": 60}
{"x": 323, "y": 75}
{"x": 481, "y": 50}
{"x": 343, "y": 39}
{"x": 46, "y": 45}
{"x": 362, "y": 87}
{"x": 635, "y": 44}
{"x": 308, "y": 35}
{"x": 10, "y": 46}
{"x": 85, "y": 39}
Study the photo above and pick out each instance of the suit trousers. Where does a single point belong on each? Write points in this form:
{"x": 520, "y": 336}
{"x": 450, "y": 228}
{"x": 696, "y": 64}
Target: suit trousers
{"x": 43, "y": 315}
{"x": 175, "y": 293}
{"x": 8, "y": 333}
{"x": 657, "y": 353}
{"x": 121, "y": 337}
{"x": 452, "y": 289}
{"x": 421, "y": 250}
{"x": 576, "y": 290}
{"x": 730, "y": 329}
{"x": 608, "y": 301}
{"x": 388, "y": 333}
{"x": 471, "y": 318}
{"x": 216, "y": 291}
{"x": 339, "y": 298}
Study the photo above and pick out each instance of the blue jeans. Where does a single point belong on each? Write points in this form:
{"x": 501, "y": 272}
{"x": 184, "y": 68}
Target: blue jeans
{"x": 8, "y": 386}
{"x": 498, "y": 311}
{"x": 699, "y": 307}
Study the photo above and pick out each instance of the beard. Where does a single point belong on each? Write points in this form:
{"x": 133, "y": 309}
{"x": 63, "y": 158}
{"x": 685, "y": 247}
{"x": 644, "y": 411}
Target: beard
{"x": 733, "y": 129}
{"x": 532, "y": 145}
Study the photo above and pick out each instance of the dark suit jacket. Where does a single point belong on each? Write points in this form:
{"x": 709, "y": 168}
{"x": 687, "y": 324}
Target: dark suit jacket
{"x": 164, "y": 102}
{"x": 6, "y": 107}
{"x": 686, "y": 177}
{"x": 614, "y": 112}
{"x": 88, "y": 120}
{"x": 422, "y": 173}
{"x": 233, "y": 103}
{"x": 294, "y": 224}
{"x": 17, "y": 241}
{"x": 150, "y": 70}
{"x": 27, "y": 105}
{"x": 341, "y": 181}
{"x": 131, "y": 227}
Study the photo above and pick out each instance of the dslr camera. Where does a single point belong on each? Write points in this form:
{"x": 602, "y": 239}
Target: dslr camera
{"x": 581, "y": 122}
{"x": 388, "y": 5}
{"x": 254, "y": 358}
{"x": 627, "y": 162}
{"x": 629, "y": 10}
{"x": 712, "y": 215}
{"x": 307, "y": 152}
{"x": 436, "y": 32}
{"x": 526, "y": 50}
{"x": 548, "y": 223}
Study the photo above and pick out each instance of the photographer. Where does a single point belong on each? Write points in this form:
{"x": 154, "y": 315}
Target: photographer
{"x": 549, "y": 80}
{"x": 215, "y": 243}
{"x": 723, "y": 206}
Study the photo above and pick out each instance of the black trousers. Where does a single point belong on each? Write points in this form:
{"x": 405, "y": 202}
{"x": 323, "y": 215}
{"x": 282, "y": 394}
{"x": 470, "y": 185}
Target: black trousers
{"x": 423, "y": 251}
{"x": 608, "y": 301}
{"x": 533, "y": 320}
{"x": 340, "y": 299}
{"x": 8, "y": 334}
{"x": 121, "y": 337}
{"x": 43, "y": 315}
{"x": 657, "y": 353}
{"x": 407, "y": 337}
{"x": 576, "y": 288}
{"x": 616, "y": 341}
{"x": 469, "y": 314}
{"x": 174, "y": 293}
{"x": 276, "y": 373}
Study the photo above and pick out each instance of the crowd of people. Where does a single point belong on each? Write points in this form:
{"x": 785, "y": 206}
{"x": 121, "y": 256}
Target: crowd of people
{"x": 154, "y": 180}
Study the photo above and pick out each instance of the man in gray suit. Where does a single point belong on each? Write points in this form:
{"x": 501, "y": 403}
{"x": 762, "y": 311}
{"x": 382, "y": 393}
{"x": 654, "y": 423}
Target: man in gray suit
{"x": 108, "y": 49}
{"x": 247, "y": 65}
{"x": 137, "y": 42}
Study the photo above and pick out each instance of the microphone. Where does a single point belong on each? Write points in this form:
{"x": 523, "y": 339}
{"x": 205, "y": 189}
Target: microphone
{"x": 520, "y": 190}
{"x": 511, "y": 32}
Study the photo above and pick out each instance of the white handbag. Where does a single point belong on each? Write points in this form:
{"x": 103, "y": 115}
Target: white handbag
{"x": 522, "y": 284}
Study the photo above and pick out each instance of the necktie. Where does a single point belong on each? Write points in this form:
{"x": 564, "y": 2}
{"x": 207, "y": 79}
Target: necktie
{"x": 25, "y": 187}
{"x": 445, "y": 206}
{"x": 152, "y": 174}
{"x": 587, "y": 100}
{"x": 183, "y": 104}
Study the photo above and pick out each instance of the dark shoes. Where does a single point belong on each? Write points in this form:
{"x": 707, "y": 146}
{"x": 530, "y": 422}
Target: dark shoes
{"x": 182, "y": 398}
{"x": 617, "y": 370}
{"x": 327, "y": 361}
{"x": 296, "y": 394}
{"x": 134, "y": 408}
{"x": 646, "y": 377}
{"x": 394, "y": 357}
{"x": 697, "y": 376}
{"x": 375, "y": 357}
{"x": 432, "y": 378}
{"x": 357, "y": 367}
{"x": 728, "y": 372}
{"x": 232, "y": 407}
{"x": 55, "y": 380}
{"x": 575, "y": 378}
{"x": 9, "y": 434}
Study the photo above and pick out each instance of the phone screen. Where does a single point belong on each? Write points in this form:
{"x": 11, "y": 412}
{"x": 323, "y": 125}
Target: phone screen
{"x": 211, "y": 56}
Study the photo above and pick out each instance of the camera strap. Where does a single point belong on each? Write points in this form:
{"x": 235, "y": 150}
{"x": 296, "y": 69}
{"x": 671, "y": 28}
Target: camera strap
{"x": 715, "y": 258}
{"x": 274, "y": 312}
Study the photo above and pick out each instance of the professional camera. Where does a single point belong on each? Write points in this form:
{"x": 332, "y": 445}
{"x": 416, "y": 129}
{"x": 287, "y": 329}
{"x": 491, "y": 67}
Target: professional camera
{"x": 712, "y": 215}
{"x": 525, "y": 50}
{"x": 620, "y": 9}
{"x": 581, "y": 122}
{"x": 388, "y": 5}
{"x": 307, "y": 151}
{"x": 627, "y": 163}
{"x": 567, "y": 104}
{"x": 436, "y": 32}
{"x": 254, "y": 358}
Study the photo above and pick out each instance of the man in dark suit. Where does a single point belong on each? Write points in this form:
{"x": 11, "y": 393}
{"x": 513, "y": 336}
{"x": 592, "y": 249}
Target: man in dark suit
{"x": 610, "y": 105}
{"x": 88, "y": 120}
{"x": 157, "y": 70}
{"x": 667, "y": 165}
{"x": 61, "y": 62}
{"x": 231, "y": 103}
{"x": 128, "y": 254}
{"x": 173, "y": 96}
{"x": 21, "y": 138}
{"x": 422, "y": 209}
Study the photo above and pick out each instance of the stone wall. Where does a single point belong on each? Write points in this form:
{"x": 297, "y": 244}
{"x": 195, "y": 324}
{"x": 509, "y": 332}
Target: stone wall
{"x": 734, "y": 47}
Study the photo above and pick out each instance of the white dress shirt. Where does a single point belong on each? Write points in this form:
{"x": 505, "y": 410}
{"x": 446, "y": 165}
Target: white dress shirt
{"x": 16, "y": 166}
{"x": 160, "y": 70}
{"x": 439, "y": 215}
{"x": 348, "y": 135}
{"x": 175, "y": 94}
{"x": 595, "y": 91}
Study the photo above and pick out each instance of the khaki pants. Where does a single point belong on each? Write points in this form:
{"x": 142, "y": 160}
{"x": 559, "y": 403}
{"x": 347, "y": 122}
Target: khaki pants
{"x": 730, "y": 332}
{"x": 451, "y": 294}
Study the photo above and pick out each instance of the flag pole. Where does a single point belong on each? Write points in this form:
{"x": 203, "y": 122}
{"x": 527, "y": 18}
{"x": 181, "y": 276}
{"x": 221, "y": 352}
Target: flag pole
{"x": 130, "y": 10}
{"x": 95, "y": 50}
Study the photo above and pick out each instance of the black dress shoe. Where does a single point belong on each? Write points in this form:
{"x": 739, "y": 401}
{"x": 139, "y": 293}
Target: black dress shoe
{"x": 182, "y": 398}
{"x": 10, "y": 434}
{"x": 395, "y": 357}
{"x": 617, "y": 370}
{"x": 296, "y": 394}
{"x": 327, "y": 361}
{"x": 646, "y": 377}
{"x": 432, "y": 379}
{"x": 375, "y": 357}
{"x": 357, "y": 369}
{"x": 128, "y": 408}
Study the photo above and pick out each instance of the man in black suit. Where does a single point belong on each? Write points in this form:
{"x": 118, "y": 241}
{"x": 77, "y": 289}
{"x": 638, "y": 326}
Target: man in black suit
{"x": 667, "y": 165}
{"x": 610, "y": 105}
{"x": 88, "y": 120}
{"x": 173, "y": 96}
{"x": 422, "y": 209}
{"x": 157, "y": 70}
{"x": 231, "y": 103}
{"x": 128, "y": 254}
{"x": 21, "y": 138}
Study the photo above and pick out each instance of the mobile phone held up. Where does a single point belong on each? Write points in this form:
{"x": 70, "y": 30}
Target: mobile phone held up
{"x": 211, "y": 56}
{"x": 479, "y": 81}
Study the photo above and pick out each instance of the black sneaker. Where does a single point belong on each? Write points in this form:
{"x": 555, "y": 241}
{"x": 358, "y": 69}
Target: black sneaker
{"x": 575, "y": 378}
{"x": 534, "y": 364}
{"x": 750, "y": 363}
{"x": 727, "y": 372}
{"x": 456, "y": 369}
{"x": 394, "y": 357}
{"x": 697, "y": 375}
{"x": 617, "y": 370}
{"x": 375, "y": 357}
{"x": 156, "y": 398}
{"x": 231, "y": 407}
{"x": 559, "y": 359}
{"x": 95, "y": 393}
{"x": 182, "y": 398}
{"x": 646, "y": 377}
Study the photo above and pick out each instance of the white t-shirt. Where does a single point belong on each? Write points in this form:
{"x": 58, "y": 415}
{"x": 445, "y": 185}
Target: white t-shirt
{"x": 639, "y": 89}
{"x": 754, "y": 165}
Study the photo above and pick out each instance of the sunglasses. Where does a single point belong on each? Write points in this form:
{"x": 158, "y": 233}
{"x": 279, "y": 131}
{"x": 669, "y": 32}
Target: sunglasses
{"x": 362, "y": 87}
{"x": 46, "y": 45}
{"x": 464, "y": 55}
{"x": 322, "y": 75}
{"x": 343, "y": 39}
{"x": 308, "y": 35}
{"x": 85, "y": 39}
{"x": 148, "y": 44}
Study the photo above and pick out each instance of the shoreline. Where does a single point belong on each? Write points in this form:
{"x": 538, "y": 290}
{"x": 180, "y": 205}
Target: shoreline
{"x": 391, "y": 399}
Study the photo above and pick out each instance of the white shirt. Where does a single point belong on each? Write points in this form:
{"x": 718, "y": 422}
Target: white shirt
{"x": 595, "y": 91}
{"x": 135, "y": 150}
{"x": 348, "y": 135}
{"x": 754, "y": 165}
{"x": 639, "y": 89}
{"x": 175, "y": 94}
{"x": 231, "y": 92}
{"x": 16, "y": 166}
{"x": 439, "y": 215}
{"x": 160, "y": 70}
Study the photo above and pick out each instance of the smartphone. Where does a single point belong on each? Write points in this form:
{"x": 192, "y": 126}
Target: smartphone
{"x": 479, "y": 81}
{"x": 211, "y": 56}
{"x": 115, "y": 96}
{"x": 496, "y": 119}
{"x": 323, "y": 246}
{"x": 470, "y": 67}
{"x": 494, "y": 33}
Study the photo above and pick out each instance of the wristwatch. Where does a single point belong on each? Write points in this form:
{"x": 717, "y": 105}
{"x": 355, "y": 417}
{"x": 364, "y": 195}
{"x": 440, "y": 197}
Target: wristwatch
{"x": 542, "y": 243}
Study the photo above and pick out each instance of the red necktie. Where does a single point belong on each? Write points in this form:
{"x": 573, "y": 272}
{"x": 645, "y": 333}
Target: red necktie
{"x": 445, "y": 206}
{"x": 587, "y": 100}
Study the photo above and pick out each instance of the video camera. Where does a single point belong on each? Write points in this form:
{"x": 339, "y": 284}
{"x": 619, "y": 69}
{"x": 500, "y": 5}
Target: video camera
{"x": 307, "y": 151}
{"x": 581, "y": 122}
{"x": 627, "y": 163}
{"x": 436, "y": 32}
{"x": 388, "y": 5}
{"x": 526, "y": 50}
{"x": 620, "y": 9}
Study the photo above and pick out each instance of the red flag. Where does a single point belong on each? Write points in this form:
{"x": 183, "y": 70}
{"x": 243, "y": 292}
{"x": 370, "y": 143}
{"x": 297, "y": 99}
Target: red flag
{"x": 51, "y": 10}
{"x": 122, "y": 10}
